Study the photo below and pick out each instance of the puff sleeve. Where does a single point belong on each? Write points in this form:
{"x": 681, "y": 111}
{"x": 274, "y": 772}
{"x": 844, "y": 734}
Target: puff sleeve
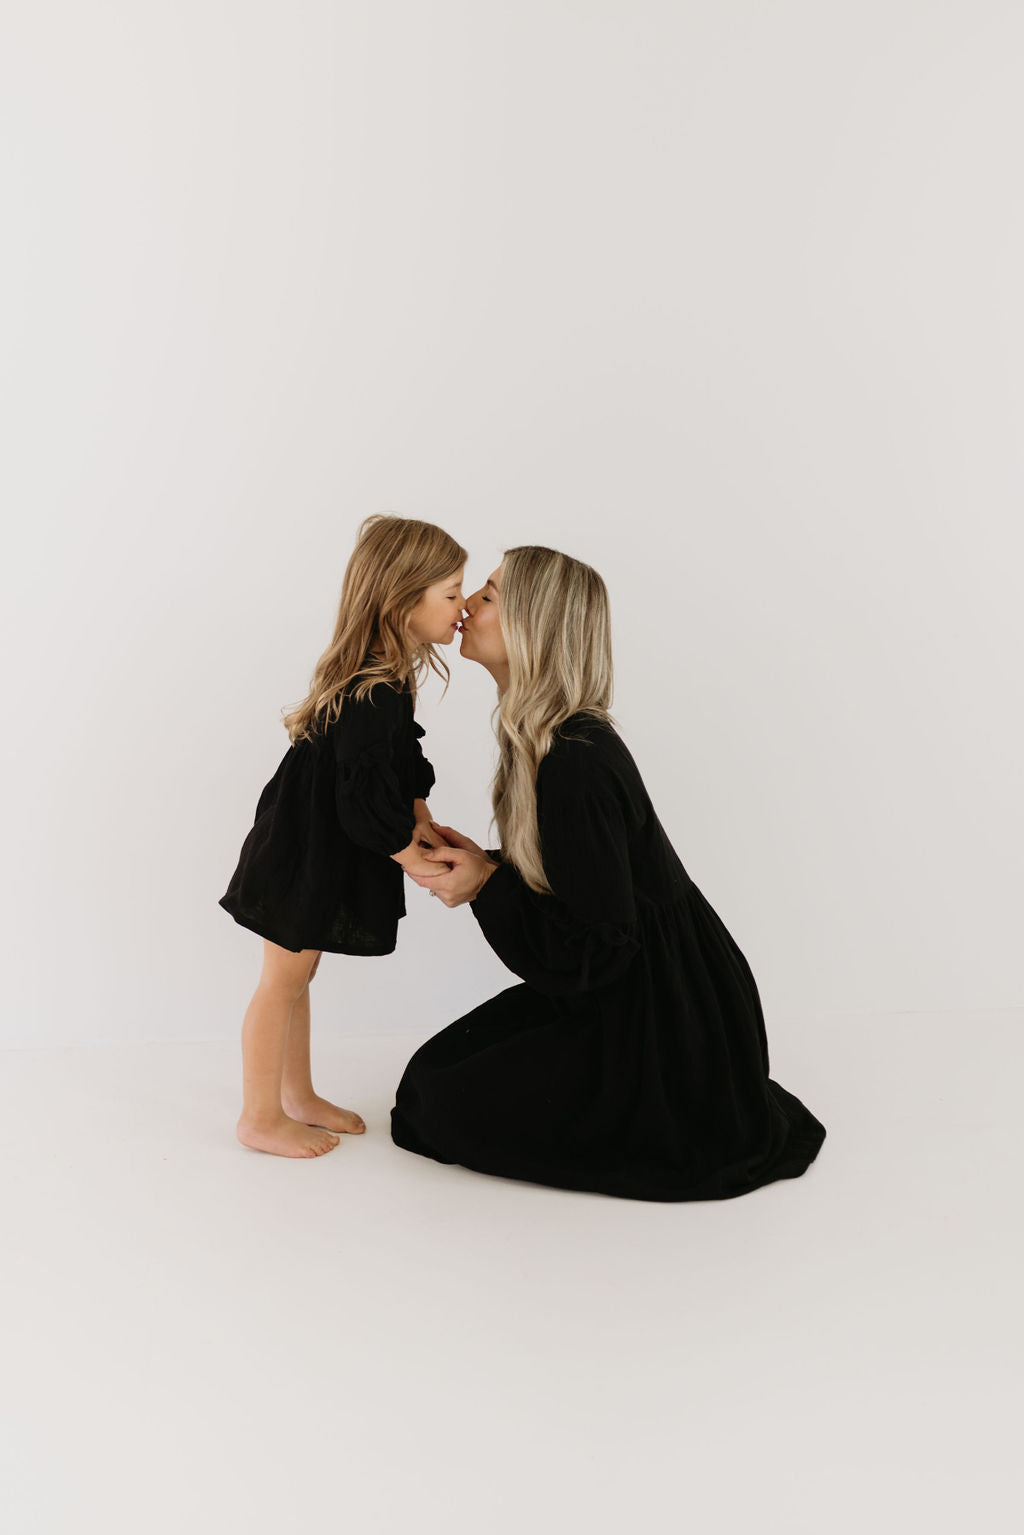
{"x": 585, "y": 934}
{"x": 423, "y": 772}
{"x": 370, "y": 804}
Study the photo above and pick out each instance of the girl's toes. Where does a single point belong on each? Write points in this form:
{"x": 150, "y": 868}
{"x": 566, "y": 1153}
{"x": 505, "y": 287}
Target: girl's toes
{"x": 326, "y": 1116}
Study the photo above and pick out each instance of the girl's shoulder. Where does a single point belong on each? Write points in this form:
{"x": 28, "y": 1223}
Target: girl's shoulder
{"x": 381, "y": 711}
{"x": 383, "y": 695}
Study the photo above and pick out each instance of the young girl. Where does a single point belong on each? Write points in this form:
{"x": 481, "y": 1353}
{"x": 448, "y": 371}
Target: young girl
{"x": 343, "y": 816}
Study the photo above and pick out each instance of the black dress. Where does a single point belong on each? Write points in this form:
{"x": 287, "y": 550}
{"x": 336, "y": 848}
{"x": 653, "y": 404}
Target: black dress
{"x": 633, "y": 1060}
{"x": 315, "y": 871}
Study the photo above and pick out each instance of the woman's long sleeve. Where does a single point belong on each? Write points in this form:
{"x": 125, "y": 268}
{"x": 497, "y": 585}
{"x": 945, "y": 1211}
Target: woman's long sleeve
{"x": 371, "y": 806}
{"x": 585, "y": 933}
{"x": 424, "y": 772}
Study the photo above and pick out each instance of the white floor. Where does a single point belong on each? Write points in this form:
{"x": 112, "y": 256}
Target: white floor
{"x": 203, "y": 1338}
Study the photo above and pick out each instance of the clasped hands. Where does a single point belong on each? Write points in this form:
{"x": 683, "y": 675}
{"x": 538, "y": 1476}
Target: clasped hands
{"x": 462, "y": 866}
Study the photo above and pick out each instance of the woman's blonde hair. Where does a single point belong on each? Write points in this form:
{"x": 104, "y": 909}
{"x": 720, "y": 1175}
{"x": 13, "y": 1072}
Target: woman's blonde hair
{"x": 394, "y": 561}
{"x": 556, "y": 620}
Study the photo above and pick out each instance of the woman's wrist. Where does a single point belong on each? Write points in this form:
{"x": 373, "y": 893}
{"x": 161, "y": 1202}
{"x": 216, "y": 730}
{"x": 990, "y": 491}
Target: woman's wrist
{"x": 487, "y": 868}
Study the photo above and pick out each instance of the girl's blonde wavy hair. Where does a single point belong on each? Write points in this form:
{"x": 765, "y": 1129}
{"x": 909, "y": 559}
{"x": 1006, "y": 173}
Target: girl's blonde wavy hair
{"x": 556, "y": 620}
{"x": 394, "y": 561}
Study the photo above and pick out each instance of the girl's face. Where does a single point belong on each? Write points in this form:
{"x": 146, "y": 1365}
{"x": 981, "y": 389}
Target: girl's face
{"x": 435, "y": 618}
{"x": 482, "y": 639}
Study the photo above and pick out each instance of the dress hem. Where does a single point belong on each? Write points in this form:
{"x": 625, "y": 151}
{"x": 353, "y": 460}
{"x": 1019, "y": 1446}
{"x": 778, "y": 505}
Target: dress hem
{"x": 325, "y": 948}
{"x": 791, "y": 1162}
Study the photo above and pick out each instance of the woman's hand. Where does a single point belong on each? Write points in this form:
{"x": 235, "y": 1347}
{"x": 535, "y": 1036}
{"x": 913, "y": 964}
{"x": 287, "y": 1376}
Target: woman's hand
{"x": 453, "y": 838}
{"x": 425, "y": 834}
{"x": 412, "y": 857}
{"x": 464, "y": 878}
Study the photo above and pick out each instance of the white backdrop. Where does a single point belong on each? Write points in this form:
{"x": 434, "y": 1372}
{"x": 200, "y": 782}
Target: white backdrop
{"x": 723, "y": 299}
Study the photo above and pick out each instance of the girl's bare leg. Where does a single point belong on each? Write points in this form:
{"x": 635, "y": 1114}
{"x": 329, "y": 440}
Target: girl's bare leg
{"x": 297, "y": 1095}
{"x": 263, "y": 1124}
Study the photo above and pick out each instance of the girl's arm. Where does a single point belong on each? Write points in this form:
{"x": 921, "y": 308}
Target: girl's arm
{"x": 368, "y": 796}
{"x": 424, "y": 770}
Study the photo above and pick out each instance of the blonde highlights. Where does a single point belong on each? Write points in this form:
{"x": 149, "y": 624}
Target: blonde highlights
{"x": 394, "y": 561}
{"x": 556, "y": 620}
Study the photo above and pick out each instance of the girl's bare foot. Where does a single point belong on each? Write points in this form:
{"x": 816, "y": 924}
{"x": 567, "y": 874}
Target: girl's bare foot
{"x": 285, "y": 1137}
{"x": 315, "y": 1110}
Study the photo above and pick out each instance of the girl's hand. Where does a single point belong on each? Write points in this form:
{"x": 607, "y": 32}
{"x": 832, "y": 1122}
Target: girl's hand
{"x": 466, "y": 874}
{"x": 455, "y": 839}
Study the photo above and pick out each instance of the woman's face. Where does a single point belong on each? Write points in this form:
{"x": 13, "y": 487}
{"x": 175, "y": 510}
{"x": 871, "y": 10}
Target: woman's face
{"x": 482, "y": 639}
{"x": 435, "y": 618}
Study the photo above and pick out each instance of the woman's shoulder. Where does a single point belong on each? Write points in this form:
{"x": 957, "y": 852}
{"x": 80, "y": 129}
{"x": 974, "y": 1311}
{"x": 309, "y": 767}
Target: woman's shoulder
{"x": 587, "y": 782}
{"x": 589, "y": 758}
{"x": 582, "y": 743}
{"x": 582, "y": 731}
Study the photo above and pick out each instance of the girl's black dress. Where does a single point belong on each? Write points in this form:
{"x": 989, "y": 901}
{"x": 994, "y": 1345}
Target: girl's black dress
{"x": 315, "y": 871}
{"x": 633, "y": 1059}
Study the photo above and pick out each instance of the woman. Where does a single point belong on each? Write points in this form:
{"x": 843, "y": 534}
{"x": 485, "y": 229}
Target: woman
{"x": 632, "y": 1060}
